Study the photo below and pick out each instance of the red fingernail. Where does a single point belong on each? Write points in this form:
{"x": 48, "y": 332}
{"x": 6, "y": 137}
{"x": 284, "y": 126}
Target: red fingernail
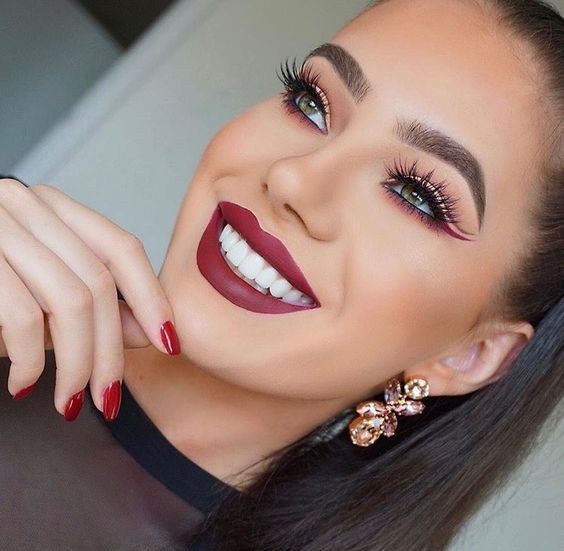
{"x": 112, "y": 400}
{"x": 73, "y": 405}
{"x": 24, "y": 392}
{"x": 170, "y": 338}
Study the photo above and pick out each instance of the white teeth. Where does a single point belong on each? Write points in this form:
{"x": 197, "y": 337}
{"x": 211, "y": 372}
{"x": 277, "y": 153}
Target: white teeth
{"x": 225, "y": 232}
{"x": 252, "y": 265}
{"x": 238, "y": 252}
{"x": 267, "y": 277}
{"x": 252, "y": 268}
{"x": 280, "y": 287}
{"x": 292, "y": 295}
{"x": 304, "y": 299}
{"x": 230, "y": 240}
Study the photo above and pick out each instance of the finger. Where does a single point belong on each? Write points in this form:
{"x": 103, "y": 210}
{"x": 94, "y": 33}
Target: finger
{"x": 133, "y": 334}
{"x": 22, "y": 329}
{"x": 65, "y": 299}
{"x": 124, "y": 255}
{"x": 108, "y": 355}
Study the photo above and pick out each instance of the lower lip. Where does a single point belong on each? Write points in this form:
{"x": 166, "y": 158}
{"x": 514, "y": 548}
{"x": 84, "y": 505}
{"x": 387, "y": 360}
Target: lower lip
{"x": 214, "y": 268}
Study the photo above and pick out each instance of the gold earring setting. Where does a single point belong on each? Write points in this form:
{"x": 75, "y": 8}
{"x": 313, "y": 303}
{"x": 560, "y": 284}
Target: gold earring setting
{"x": 376, "y": 418}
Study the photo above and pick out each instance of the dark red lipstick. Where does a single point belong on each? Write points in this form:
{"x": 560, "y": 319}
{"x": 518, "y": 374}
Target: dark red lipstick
{"x": 214, "y": 267}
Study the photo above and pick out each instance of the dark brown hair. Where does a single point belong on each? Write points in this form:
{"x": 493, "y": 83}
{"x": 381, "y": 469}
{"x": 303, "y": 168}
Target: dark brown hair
{"x": 417, "y": 489}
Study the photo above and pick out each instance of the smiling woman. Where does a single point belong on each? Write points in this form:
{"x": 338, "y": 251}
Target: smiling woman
{"x": 417, "y": 183}
{"x": 365, "y": 277}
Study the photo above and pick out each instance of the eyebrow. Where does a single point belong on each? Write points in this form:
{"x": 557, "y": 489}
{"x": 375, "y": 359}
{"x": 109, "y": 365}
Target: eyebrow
{"x": 415, "y": 133}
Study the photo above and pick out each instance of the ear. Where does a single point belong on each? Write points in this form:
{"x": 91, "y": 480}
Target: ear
{"x": 478, "y": 364}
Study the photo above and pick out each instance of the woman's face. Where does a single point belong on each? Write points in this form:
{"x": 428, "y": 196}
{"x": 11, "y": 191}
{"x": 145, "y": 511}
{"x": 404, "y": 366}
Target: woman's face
{"x": 395, "y": 288}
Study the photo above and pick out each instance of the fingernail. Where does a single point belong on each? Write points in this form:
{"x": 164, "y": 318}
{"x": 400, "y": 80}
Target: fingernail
{"x": 73, "y": 405}
{"x": 112, "y": 400}
{"x": 24, "y": 392}
{"x": 170, "y": 338}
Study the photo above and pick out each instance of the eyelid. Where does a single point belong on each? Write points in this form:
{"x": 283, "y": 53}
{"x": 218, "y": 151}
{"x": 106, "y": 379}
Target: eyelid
{"x": 327, "y": 105}
{"x": 312, "y": 76}
{"x": 337, "y": 90}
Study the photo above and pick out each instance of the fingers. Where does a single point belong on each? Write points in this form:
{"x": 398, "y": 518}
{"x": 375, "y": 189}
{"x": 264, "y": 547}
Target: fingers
{"x": 125, "y": 257}
{"x": 97, "y": 301}
{"x": 22, "y": 327}
{"x": 61, "y": 294}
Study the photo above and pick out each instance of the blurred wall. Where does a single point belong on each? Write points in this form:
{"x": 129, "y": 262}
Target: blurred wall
{"x": 52, "y": 52}
{"x": 143, "y": 128}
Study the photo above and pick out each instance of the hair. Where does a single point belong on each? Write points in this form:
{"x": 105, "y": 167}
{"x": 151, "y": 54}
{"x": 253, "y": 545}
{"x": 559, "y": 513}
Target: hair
{"x": 417, "y": 489}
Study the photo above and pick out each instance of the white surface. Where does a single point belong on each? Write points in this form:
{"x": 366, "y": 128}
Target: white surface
{"x": 130, "y": 148}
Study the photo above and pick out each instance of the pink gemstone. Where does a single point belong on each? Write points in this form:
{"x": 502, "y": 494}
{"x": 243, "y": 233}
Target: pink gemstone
{"x": 410, "y": 407}
{"x": 371, "y": 408}
{"x": 392, "y": 391}
{"x": 363, "y": 432}
{"x": 417, "y": 388}
{"x": 390, "y": 424}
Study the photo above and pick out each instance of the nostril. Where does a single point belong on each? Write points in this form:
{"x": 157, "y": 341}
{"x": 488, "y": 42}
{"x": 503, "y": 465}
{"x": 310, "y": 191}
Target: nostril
{"x": 289, "y": 208}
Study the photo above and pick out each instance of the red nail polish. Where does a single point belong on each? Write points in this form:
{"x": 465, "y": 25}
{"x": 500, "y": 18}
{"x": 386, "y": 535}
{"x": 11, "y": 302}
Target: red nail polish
{"x": 170, "y": 338}
{"x": 112, "y": 400}
{"x": 73, "y": 405}
{"x": 24, "y": 392}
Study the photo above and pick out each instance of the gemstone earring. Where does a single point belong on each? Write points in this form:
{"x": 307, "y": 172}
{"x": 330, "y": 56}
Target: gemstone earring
{"x": 376, "y": 418}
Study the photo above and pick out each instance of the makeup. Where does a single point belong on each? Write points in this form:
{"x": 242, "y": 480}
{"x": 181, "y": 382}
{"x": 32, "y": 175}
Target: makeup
{"x": 302, "y": 83}
{"x": 214, "y": 267}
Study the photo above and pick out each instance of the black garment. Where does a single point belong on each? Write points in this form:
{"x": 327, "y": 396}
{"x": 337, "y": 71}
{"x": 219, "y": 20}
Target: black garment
{"x": 93, "y": 485}
{"x": 13, "y": 178}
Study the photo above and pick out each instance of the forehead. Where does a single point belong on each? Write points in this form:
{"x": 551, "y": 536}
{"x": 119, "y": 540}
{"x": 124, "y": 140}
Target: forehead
{"x": 448, "y": 63}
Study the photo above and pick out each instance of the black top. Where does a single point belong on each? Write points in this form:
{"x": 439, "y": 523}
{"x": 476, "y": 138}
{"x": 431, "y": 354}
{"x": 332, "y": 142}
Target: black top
{"x": 143, "y": 441}
{"x": 90, "y": 484}
{"x": 93, "y": 485}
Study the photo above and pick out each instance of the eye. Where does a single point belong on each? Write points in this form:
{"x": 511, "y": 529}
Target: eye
{"x": 303, "y": 96}
{"x": 308, "y": 105}
{"x": 424, "y": 198}
{"x": 410, "y": 193}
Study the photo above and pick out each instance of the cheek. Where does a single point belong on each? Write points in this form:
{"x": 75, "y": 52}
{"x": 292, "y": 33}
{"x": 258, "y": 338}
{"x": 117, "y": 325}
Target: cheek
{"x": 401, "y": 307}
{"x": 240, "y": 147}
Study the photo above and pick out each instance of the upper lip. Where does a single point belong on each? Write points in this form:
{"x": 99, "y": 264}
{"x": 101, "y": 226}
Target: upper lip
{"x": 265, "y": 244}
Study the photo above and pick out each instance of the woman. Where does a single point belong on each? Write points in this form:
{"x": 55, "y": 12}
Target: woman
{"x": 406, "y": 208}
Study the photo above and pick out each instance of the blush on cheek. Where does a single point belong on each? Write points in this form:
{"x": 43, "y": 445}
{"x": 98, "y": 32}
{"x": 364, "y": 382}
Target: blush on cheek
{"x": 405, "y": 312}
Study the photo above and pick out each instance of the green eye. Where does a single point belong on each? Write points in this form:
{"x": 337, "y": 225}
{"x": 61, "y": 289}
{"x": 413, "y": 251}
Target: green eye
{"x": 309, "y": 105}
{"x": 410, "y": 193}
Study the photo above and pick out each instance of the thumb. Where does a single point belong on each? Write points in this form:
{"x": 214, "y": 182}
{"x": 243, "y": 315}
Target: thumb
{"x": 133, "y": 334}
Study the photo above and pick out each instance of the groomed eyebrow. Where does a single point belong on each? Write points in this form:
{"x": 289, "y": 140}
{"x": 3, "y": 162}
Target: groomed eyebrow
{"x": 412, "y": 132}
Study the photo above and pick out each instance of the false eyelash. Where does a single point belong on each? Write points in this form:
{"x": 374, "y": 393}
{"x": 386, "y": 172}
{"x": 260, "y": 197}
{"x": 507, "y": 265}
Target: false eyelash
{"x": 442, "y": 205}
{"x": 298, "y": 80}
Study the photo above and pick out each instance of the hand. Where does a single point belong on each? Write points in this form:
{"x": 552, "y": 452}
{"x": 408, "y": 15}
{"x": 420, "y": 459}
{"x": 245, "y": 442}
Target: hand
{"x": 60, "y": 262}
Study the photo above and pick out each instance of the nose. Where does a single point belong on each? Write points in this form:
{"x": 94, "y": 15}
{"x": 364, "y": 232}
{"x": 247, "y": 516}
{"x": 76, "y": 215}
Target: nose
{"x": 310, "y": 189}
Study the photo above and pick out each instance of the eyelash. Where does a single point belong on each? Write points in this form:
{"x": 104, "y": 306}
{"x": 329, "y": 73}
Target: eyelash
{"x": 297, "y": 81}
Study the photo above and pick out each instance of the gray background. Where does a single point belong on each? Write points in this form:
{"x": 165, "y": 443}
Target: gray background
{"x": 114, "y": 130}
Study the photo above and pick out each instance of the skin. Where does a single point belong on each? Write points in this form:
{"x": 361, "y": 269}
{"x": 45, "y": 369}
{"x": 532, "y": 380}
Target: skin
{"x": 397, "y": 298}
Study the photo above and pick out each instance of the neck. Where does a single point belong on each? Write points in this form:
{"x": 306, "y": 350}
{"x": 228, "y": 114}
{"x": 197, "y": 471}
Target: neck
{"x": 225, "y": 429}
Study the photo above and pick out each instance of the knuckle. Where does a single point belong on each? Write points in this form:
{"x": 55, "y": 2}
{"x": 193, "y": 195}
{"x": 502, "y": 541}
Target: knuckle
{"x": 102, "y": 281}
{"x": 42, "y": 188}
{"x": 28, "y": 318}
{"x": 11, "y": 188}
{"x": 132, "y": 243}
{"x": 78, "y": 299}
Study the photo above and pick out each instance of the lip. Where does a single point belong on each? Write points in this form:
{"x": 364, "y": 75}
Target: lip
{"x": 214, "y": 268}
